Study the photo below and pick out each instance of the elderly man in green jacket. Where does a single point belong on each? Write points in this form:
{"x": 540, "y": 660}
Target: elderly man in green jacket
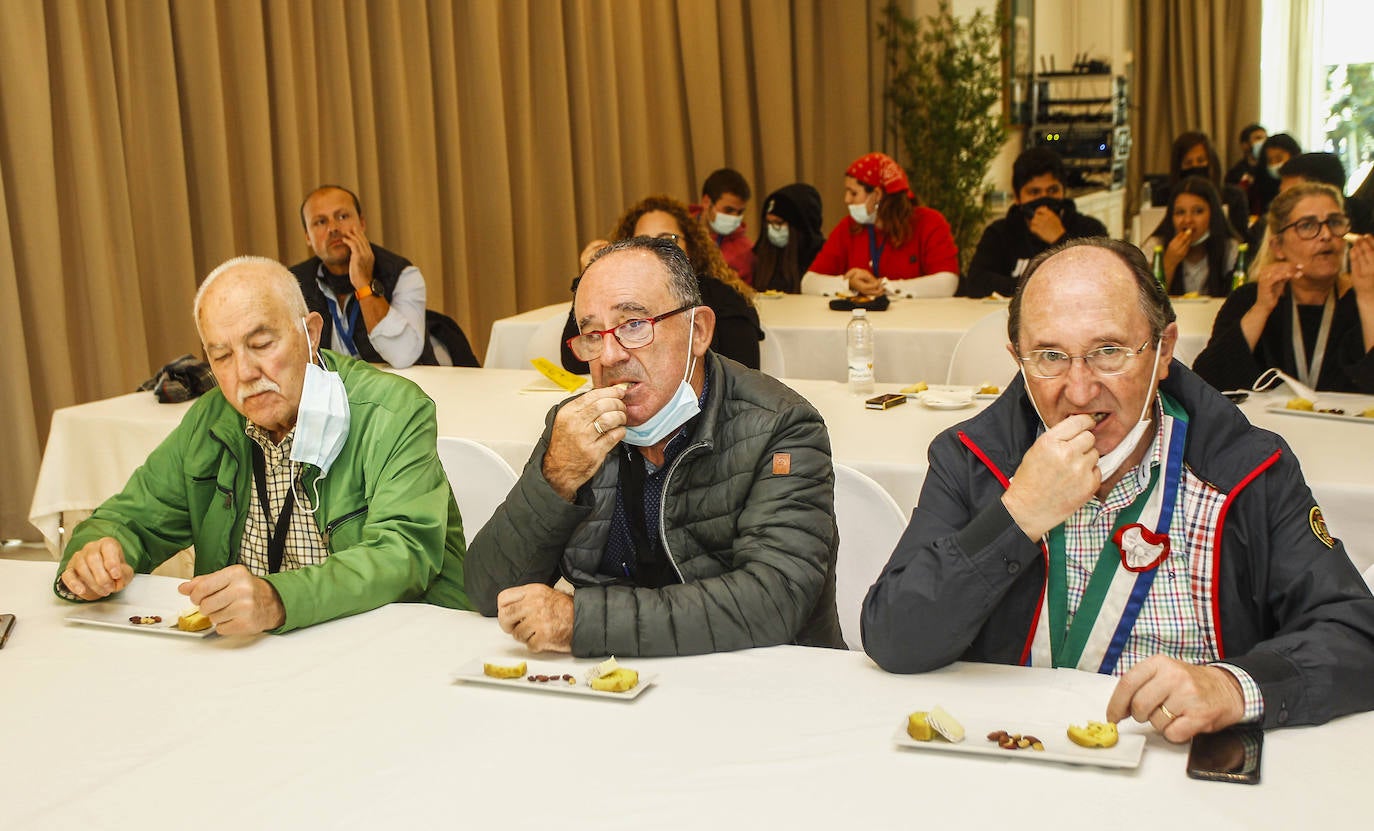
{"x": 308, "y": 482}
{"x": 689, "y": 500}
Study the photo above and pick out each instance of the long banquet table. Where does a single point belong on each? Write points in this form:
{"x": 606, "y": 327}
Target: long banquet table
{"x": 913, "y": 339}
{"x": 92, "y": 448}
{"x": 359, "y": 723}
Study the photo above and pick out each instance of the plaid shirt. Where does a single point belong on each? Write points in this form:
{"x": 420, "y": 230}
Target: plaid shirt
{"x": 1176, "y": 617}
{"x": 304, "y": 545}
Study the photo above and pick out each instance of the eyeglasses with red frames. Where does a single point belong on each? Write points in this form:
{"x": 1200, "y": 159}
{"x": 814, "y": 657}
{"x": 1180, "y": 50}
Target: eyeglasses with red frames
{"x": 632, "y": 334}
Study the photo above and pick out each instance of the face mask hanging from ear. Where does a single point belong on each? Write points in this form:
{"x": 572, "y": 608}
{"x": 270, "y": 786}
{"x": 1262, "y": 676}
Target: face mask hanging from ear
{"x": 323, "y": 418}
{"x": 678, "y": 411}
{"x": 1108, "y": 463}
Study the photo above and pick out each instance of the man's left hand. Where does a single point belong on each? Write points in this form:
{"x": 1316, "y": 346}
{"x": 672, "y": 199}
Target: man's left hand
{"x": 1047, "y": 225}
{"x": 361, "y": 260}
{"x": 1200, "y": 699}
{"x": 237, "y": 602}
{"x": 538, "y": 616}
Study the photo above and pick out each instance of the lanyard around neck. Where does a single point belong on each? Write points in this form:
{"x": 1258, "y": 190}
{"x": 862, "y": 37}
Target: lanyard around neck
{"x": 875, "y": 252}
{"x": 1310, "y": 372}
{"x": 276, "y": 543}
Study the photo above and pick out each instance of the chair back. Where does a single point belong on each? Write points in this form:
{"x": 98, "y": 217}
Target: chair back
{"x": 771, "y": 358}
{"x": 451, "y": 347}
{"x": 870, "y": 524}
{"x": 980, "y": 355}
{"x": 546, "y": 342}
{"x": 480, "y": 479}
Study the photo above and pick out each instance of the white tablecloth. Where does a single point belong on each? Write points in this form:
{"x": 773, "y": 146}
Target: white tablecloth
{"x": 92, "y": 448}
{"x": 358, "y": 724}
{"x": 913, "y": 339}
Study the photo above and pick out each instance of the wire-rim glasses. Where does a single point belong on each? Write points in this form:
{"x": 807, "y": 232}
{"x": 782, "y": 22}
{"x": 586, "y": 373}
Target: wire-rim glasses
{"x": 1104, "y": 360}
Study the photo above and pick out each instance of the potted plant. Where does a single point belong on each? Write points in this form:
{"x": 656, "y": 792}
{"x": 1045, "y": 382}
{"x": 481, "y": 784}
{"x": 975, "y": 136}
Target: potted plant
{"x": 941, "y": 102}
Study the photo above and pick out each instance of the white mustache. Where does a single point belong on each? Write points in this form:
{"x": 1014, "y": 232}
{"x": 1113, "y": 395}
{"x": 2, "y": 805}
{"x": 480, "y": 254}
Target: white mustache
{"x": 260, "y": 386}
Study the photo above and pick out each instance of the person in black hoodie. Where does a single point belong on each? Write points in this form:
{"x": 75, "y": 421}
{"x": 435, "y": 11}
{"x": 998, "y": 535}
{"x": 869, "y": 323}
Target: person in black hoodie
{"x": 1041, "y": 217}
{"x": 790, "y": 238}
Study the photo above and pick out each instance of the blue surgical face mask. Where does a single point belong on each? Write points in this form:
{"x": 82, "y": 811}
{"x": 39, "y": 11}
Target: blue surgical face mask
{"x": 860, "y": 214}
{"x": 725, "y": 224}
{"x": 778, "y": 235}
{"x": 678, "y": 411}
{"x": 323, "y": 418}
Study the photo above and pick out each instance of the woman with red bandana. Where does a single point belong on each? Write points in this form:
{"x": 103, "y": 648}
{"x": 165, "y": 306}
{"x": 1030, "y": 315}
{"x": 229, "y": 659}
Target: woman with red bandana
{"x": 888, "y": 240}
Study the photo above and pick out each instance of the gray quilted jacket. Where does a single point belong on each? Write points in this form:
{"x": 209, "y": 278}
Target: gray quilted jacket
{"x": 755, "y": 549}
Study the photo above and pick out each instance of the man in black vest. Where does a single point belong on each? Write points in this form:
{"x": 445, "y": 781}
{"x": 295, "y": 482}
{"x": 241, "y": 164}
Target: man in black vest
{"x": 372, "y": 300}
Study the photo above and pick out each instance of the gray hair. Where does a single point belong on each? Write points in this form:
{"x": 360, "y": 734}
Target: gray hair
{"x": 281, "y": 280}
{"x": 682, "y": 280}
{"x": 1154, "y": 301}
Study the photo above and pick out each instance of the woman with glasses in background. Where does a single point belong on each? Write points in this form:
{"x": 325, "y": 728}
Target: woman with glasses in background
{"x": 1300, "y": 314}
{"x": 737, "y": 332}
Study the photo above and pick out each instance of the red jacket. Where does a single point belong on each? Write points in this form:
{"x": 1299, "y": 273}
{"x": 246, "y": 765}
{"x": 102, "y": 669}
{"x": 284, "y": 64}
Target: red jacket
{"x": 928, "y": 250}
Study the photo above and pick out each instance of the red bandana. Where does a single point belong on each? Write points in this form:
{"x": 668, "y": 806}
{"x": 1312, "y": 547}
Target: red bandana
{"x": 878, "y": 170}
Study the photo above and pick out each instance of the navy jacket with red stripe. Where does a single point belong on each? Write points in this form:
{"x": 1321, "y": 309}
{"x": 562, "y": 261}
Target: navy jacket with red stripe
{"x": 964, "y": 582}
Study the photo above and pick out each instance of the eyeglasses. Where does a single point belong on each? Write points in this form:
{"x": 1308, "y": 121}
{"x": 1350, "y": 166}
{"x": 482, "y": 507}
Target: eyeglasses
{"x": 1104, "y": 360}
{"x": 1309, "y": 226}
{"x": 632, "y": 334}
{"x": 668, "y": 235}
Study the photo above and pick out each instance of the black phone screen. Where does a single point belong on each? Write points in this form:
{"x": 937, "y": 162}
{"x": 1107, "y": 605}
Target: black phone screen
{"x": 1227, "y": 756}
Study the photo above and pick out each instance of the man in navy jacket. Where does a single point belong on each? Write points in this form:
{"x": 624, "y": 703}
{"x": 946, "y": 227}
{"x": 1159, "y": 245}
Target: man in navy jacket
{"x": 1193, "y": 563}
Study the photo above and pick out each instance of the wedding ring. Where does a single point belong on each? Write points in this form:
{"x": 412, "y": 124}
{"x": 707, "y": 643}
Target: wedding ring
{"x": 596, "y": 422}
{"x": 1165, "y": 710}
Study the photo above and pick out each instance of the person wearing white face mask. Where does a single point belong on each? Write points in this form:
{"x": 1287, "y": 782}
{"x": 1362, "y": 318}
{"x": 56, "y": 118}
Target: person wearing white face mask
{"x": 308, "y": 482}
{"x": 888, "y": 240}
{"x": 1200, "y": 246}
{"x": 689, "y": 500}
{"x": 1113, "y": 513}
{"x": 724, "y": 198}
{"x": 791, "y": 239}
{"x": 1247, "y": 168}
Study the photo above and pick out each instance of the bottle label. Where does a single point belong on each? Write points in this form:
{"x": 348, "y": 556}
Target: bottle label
{"x": 860, "y": 371}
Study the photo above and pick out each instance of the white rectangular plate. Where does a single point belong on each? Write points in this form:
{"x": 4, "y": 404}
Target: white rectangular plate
{"x": 472, "y": 673}
{"x": 1352, "y": 403}
{"x": 116, "y": 616}
{"x": 1058, "y": 748}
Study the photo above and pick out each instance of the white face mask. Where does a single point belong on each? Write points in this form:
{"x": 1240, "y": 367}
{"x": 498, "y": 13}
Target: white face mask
{"x": 860, "y": 214}
{"x": 778, "y": 235}
{"x": 1274, "y": 170}
{"x": 679, "y": 409}
{"x": 725, "y": 224}
{"x": 1255, "y": 147}
{"x": 1203, "y": 237}
{"x": 323, "y": 418}
{"x": 1108, "y": 463}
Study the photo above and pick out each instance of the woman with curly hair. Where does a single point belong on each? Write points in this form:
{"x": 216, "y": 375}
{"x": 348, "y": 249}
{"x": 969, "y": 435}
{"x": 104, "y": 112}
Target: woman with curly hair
{"x": 737, "y": 332}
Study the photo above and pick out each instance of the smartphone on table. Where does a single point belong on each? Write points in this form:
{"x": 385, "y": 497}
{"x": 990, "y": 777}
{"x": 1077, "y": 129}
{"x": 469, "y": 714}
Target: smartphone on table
{"x": 1231, "y": 755}
{"x": 6, "y": 624}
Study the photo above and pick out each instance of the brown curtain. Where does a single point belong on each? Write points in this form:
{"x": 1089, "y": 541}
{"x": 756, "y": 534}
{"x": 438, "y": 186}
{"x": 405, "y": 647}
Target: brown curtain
{"x": 145, "y": 141}
{"x": 1197, "y": 67}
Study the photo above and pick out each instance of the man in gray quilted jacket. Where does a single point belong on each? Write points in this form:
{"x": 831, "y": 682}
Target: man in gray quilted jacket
{"x": 688, "y": 500}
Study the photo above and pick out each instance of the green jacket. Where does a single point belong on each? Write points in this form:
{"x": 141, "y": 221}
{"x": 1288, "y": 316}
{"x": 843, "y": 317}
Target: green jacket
{"x": 385, "y": 510}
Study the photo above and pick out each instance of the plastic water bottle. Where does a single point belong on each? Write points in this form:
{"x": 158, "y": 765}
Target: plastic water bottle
{"x": 859, "y": 350}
